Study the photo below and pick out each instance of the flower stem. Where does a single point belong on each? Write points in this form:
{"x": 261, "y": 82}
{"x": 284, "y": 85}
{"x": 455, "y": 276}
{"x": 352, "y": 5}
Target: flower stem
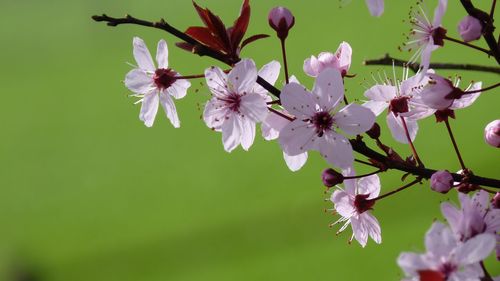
{"x": 417, "y": 180}
{"x": 366, "y": 163}
{"x": 450, "y": 132}
{"x": 412, "y": 147}
{"x": 363, "y": 176}
{"x": 483, "y": 89}
{"x": 488, "y": 52}
{"x": 190, "y": 76}
{"x": 493, "y": 6}
{"x": 281, "y": 114}
{"x": 487, "y": 276}
{"x": 283, "y": 50}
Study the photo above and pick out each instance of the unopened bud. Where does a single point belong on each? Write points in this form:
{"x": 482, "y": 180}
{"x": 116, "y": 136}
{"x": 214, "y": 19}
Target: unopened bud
{"x": 441, "y": 181}
{"x": 492, "y": 133}
{"x": 374, "y": 132}
{"x": 331, "y": 177}
{"x": 496, "y": 201}
{"x": 281, "y": 20}
{"x": 470, "y": 29}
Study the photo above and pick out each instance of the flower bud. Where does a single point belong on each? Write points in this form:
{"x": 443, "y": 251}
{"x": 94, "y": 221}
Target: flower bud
{"x": 331, "y": 177}
{"x": 470, "y": 29}
{"x": 374, "y": 132}
{"x": 440, "y": 93}
{"x": 495, "y": 203}
{"x": 281, "y": 20}
{"x": 492, "y": 133}
{"x": 441, "y": 181}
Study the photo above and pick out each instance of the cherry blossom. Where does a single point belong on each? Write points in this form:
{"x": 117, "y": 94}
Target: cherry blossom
{"x": 155, "y": 85}
{"x": 441, "y": 181}
{"x": 470, "y": 28}
{"x": 492, "y": 133}
{"x": 446, "y": 258}
{"x": 341, "y": 60}
{"x": 353, "y": 204}
{"x": 235, "y": 107}
{"x": 426, "y": 36}
{"x": 281, "y": 20}
{"x": 317, "y": 119}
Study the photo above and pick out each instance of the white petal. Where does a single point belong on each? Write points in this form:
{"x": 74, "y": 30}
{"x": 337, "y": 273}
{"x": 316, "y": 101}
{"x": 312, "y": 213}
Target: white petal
{"x": 269, "y": 72}
{"x": 298, "y": 101}
{"x": 329, "y": 88}
{"x": 343, "y": 203}
{"x": 439, "y": 12}
{"x": 354, "y": 119}
{"x": 216, "y": 81}
{"x": 369, "y": 185}
{"x": 376, "y": 107}
{"x": 467, "y": 99}
{"x": 376, "y": 7}
{"x": 452, "y": 215}
{"x": 139, "y": 82}
{"x": 336, "y": 149}
{"x": 311, "y": 66}
{"x": 397, "y": 128}
{"x": 170, "y": 110}
{"x": 425, "y": 57}
{"x": 247, "y": 133}
{"x": 381, "y": 93}
{"x": 162, "y": 54}
{"x": 411, "y": 263}
{"x": 142, "y": 55}
{"x": 475, "y": 249}
{"x": 179, "y": 88}
{"x": 439, "y": 240}
{"x": 214, "y": 114}
{"x": 344, "y": 54}
{"x": 272, "y": 126}
{"x": 372, "y": 225}
{"x": 297, "y": 137}
{"x": 243, "y": 76}
{"x": 231, "y": 132}
{"x": 360, "y": 231}
{"x": 149, "y": 108}
{"x": 254, "y": 107}
{"x": 296, "y": 162}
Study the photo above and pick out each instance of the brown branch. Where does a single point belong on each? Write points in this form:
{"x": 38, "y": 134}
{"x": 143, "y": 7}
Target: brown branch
{"x": 388, "y": 60}
{"x": 358, "y": 145}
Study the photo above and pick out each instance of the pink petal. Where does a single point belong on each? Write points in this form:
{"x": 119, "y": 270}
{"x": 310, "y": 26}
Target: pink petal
{"x": 452, "y": 216}
{"x": 297, "y": 138}
{"x": 372, "y": 225}
{"x": 425, "y": 57}
{"x": 344, "y": 55}
{"x": 149, "y": 108}
{"x": 376, "y": 107}
{"x": 467, "y": 99}
{"x": 179, "y": 88}
{"x": 439, "y": 240}
{"x": 329, "y": 88}
{"x": 269, "y": 72}
{"x": 142, "y": 55}
{"x": 412, "y": 85}
{"x": 326, "y": 59}
{"x": 139, "y": 82}
{"x": 360, "y": 231}
{"x": 397, "y": 129}
{"x": 162, "y": 54}
{"x": 369, "y": 185}
{"x": 254, "y": 107}
{"x": 475, "y": 249}
{"x": 231, "y": 132}
{"x": 439, "y": 12}
{"x": 411, "y": 263}
{"x": 272, "y": 126}
{"x": 343, "y": 203}
{"x": 170, "y": 110}
{"x": 296, "y": 162}
{"x": 243, "y": 76}
{"x": 214, "y": 114}
{"x": 311, "y": 66}
{"x": 376, "y": 7}
{"x": 216, "y": 81}
{"x": 383, "y": 93}
{"x": 298, "y": 101}
{"x": 336, "y": 149}
{"x": 247, "y": 133}
{"x": 354, "y": 119}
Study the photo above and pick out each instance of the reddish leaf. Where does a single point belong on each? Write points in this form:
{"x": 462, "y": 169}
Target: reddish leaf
{"x": 252, "y": 39}
{"x": 203, "y": 13}
{"x": 219, "y": 30}
{"x": 240, "y": 25}
{"x": 205, "y": 37}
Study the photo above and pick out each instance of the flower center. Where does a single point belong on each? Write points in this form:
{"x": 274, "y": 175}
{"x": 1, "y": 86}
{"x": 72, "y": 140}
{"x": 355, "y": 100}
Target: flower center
{"x": 322, "y": 121}
{"x": 362, "y": 203}
{"x": 438, "y": 35}
{"x": 447, "y": 269}
{"x": 399, "y": 105}
{"x": 164, "y": 78}
{"x": 233, "y": 101}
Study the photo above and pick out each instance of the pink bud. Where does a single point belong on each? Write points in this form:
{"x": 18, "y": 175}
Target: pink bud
{"x": 441, "y": 181}
{"x": 281, "y": 20}
{"x": 440, "y": 93}
{"x": 492, "y": 133}
{"x": 331, "y": 177}
{"x": 470, "y": 29}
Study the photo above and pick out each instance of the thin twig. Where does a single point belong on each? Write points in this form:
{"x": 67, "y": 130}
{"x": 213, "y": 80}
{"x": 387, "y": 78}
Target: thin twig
{"x": 387, "y": 60}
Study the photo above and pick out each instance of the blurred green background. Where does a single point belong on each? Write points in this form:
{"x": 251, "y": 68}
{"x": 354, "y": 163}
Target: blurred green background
{"x": 87, "y": 192}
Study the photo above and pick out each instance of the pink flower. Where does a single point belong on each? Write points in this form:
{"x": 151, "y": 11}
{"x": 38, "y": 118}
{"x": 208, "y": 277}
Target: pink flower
{"x": 376, "y": 7}
{"x": 353, "y": 204}
{"x": 470, "y": 29}
{"x": 440, "y": 94}
{"x": 426, "y": 36}
{"x": 281, "y": 20}
{"x": 446, "y": 258}
{"x": 317, "y": 119}
{"x": 475, "y": 217}
{"x": 235, "y": 107}
{"x": 403, "y": 101}
{"x": 492, "y": 133}
{"x": 341, "y": 60}
{"x": 441, "y": 181}
{"x": 155, "y": 85}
